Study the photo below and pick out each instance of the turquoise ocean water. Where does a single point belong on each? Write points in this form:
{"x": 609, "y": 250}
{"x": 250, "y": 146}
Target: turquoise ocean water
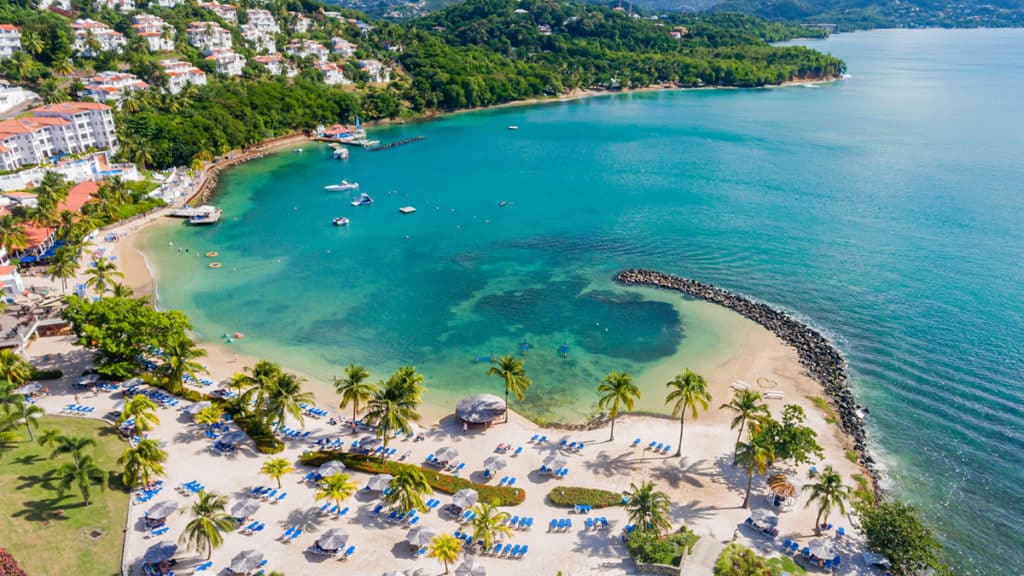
{"x": 886, "y": 209}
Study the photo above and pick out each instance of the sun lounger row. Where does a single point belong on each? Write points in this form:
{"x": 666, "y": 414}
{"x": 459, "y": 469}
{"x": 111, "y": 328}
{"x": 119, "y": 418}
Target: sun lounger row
{"x": 193, "y": 487}
{"x": 601, "y": 522}
{"x": 507, "y": 481}
{"x": 333, "y": 510}
{"x": 513, "y": 551}
{"x": 468, "y": 516}
{"x": 517, "y": 523}
{"x": 158, "y": 532}
{"x": 659, "y": 448}
{"x": 252, "y": 528}
{"x": 582, "y": 508}
{"x": 313, "y": 411}
{"x": 558, "y": 474}
{"x": 576, "y": 446}
{"x": 268, "y": 494}
{"x": 560, "y": 525}
{"x": 188, "y": 379}
{"x": 146, "y": 495}
{"x": 537, "y": 438}
{"x": 292, "y": 433}
{"x": 290, "y": 534}
{"x": 204, "y": 566}
{"x": 432, "y": 504}
{"x": 77, "y": 409}
{"x": 328, "y": 444}
{"x": 222, "y": 448}
{"x": 396, "y": 517}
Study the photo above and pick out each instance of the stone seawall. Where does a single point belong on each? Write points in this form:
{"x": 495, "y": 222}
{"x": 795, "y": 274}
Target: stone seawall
{"x": 819, "y": 357}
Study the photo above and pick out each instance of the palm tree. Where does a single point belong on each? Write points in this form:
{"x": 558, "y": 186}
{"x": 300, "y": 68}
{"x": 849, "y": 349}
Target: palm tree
{"x": 29, "y": 415}
{"x": 142, "y": 409}
{"x": 830, "y": 493}
{"x": 63, "y": 67}
{"x": 63, "y": 265}
{"x": 32, "y": 43}
{"x": 12, "y": 234}
{"x": 276, "y": 468}
{"x": 102, "y": 275}
{"x": 131, "y": 101}
{"x": 142, "y": 463}
{"x": 407, "y": 490}
{"x": 180, "y": 355}
{"x": 647, "y": 508}
{"x": 446, "y": 548}
{"x": 73, "y": 445}
{"x": 488, "y": 523}
{"x": 121, "y": 291}
{"x": 209, "y": 523}
{"x": 354, "y": 389}
{"x": 336, "y": 487}
{"x": 754, "y": 456}
{"x": 286, "y": 397}
{"x": 394, "y": 403}
{"x": 14, "y": 369}
{"x": 689, "y": 392}
{"x": 746, "y": 407}
{"x": 208, "y": 416}
{"x": 617, "y": 389}
{"x": 83, "y": 473}
{"x": 51, "y": 92}
{"x": 513, "y": 372}
{"x": 48, "y": 439}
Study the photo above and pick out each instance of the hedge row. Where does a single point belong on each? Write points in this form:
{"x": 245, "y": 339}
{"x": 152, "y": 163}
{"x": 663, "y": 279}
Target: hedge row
{"x": 569, "y": 496}
{"x": 445, "y": 483}
{"x": 49, "y": 374}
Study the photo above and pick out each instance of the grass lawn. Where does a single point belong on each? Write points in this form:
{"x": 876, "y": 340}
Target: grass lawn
{"x": 51, "y": 535}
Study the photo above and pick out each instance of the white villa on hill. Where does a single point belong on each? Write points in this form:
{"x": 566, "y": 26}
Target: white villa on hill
{"x": 106, "y": 38}
{"x": 263, "y": 20}
{"x": 332, "y": 73}
{"x": 344, "y": 47}
{"x": 259, "y": 40}
{"x": 226, "y": 12}
{"x": 208, "y": 36}
{"x": 111, "y": 86}
{"x": 181, "y": 74}
{"x": 159, "y": 35}
{"x": 10, "y": 40}
{"x": 228, "y": 61}
{"x": 67, "y": 128}
{"x": 304, "y": 48}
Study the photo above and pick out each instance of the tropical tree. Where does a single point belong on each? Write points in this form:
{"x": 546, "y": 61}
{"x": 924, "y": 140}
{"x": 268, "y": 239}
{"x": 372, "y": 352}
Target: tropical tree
{"x": 275, "y": 393}
{"x": 32, "y": 42}
{"x": 208, "y": 416}
{"x": 63, "y": 67}
{"x": 73, "y": 445}
{"x": 407, "y": 490}
{"x": 180, "y": 354}
{"x": 102, "y": 275}
{"x": 12, "y": 234}
{"x": 48, "y": 438}
{"x": 746, "y": 406}
{"x": 276, "y": 468}
{"x": 121, "y": 291}
{"x": 488, "y": 523}
{"x": 394, "y": 403}
{"x": 755, "y": 456}
{"x": 142, "y": 463}
{"x": 209, "y": 523}
{"x": 830, "y": 493}
{"x": 143, "y": 409}
{"x": 647, "y": 508}
{"x": 616, "y": 391}
{"x": 512, "y": 370}
{"x": 446, "y": 549}
{"x": 63, "y": 265}
{"x": 83, "y": 473}
{"x": 51, "y": 92}
{"x": 27, "y": 414}
{"x": 738, "y": 560}
{"x": 689, "y": 391}
{"x": 336, "y": 487}
{"x": 14, "y": 369}
{"x": 354, "y": 389}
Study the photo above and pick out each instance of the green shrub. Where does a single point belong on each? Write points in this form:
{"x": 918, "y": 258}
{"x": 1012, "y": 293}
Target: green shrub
{"x": 260, "y": 433}
{"x": 738, "y": 559}
{"x": 648, "y": 547}
{"x": 445, "y": 483}
{"x": 569, "y": 496}
{"x": 38, "y": 374}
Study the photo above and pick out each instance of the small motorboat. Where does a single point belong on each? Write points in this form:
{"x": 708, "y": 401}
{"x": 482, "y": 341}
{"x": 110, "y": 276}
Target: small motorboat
{"x": 363, "y": 200}
{"x": 342, "y": 221}
{"x": 407, "y": 209}
{"x": 298, "y": 150}
{"x": 502, "y": 203}
{"x": 344, "y": 185}
{"x": 513, "y": 127}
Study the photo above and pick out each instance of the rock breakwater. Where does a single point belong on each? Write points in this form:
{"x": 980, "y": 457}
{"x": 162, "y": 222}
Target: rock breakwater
{"x": 818, "y": 356}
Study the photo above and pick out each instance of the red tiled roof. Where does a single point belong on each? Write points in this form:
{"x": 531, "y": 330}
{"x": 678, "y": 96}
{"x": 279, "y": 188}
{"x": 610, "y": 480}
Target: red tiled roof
{"x": 7, "y": 270}
{"x": 8, "y": 27}
{"x": 71, "y": 107}
{"x": 78, "y": 195}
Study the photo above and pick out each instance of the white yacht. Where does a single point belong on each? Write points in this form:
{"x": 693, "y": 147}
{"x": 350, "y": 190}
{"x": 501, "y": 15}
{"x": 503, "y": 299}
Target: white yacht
{"x": 344, "y": 185}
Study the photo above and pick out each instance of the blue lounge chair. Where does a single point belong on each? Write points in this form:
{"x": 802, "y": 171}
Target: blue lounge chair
{"x": 204, "y": 566}
{"x": 794, "y": 547}
{"x": 519, "y": 450}
{"x": 376, "y": 511}
{"x": 280, "y": 497}
{"x": 287, "y": 534}
{"x": 535, "y": 437}
{"x": 512, "y": 481}
{"x": 515, "y": 550}
{"x": 348, "y": 553}
{"x": 342, "y": 512}
{"x": 506, "y": 550}
{"x": 413, "y": 521}
{"x": 496, "y": 549}
{"x": 668, "y": 448}
{"x": 295, "y": 534}
{"x": 635, "y": 443}
{"x": 522, "y": 551}
{"x": 828, "y": 565}
{"x": 589, "y": 523}
{"x": 604, "y": 522}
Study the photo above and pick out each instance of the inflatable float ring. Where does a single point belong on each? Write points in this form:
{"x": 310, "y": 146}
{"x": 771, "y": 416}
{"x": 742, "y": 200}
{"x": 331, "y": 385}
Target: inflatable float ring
{"x": 211, "y": 254}
{"x": 214, "y": 264}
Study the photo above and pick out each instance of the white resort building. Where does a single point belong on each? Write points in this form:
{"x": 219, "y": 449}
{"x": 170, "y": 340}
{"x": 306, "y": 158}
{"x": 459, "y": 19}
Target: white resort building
{"x": 167, "y": 3}
{"x": 208, "y": 36}
{"x": 111, "y": 86}
{"x": 259, "y": 40}
{"x": 13, "y": 96}
{"x": 122, "y": 6}
{"x": 228, "y": 61}
{"x": 277, "y": 65}
{"x": 376, "y": 70}
{"x": 226, "y": 12}
{"x": 344, "y": 47}
{"x": 106, "y": 38}
{"x": 67, "y": 128}
{"x": 10, "y": 40}
{"x": 304, "y": 48}
{"x": 332, "y": 73}
{"x": 181, "y": 74}
{"x": 263, "y": 20}
{"x": 159, "y": 35}
{"x": 301, "y": 24}
{"x": 58, "y": 4}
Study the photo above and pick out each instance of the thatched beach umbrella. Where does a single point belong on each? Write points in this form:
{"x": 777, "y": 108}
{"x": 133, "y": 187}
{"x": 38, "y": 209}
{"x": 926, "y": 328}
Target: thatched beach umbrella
{"x": 447, "y": 454}
{"x": 821, "y": 549}
{"x": 420, "y": 536}
{"x": 764, "y": 518}
{"x": 470, "y": 568}
{"x": 333, "y": 539}
{"x": 29, "y": 389}
{"x": 369, "y": 443}
{"x": 245, "y": 508}
{"x": 246, "y": 561}
{"x": 380, "y": 482}
{"x": 495, "y": 463}
{"x": 331, "y": 468}
{"x": 162, "y": 510}
{"x": 233, "y": 438}
{"x": 159, "y": 552}
{"x": 555, "y": 462}
{"x": 465, "y": 498}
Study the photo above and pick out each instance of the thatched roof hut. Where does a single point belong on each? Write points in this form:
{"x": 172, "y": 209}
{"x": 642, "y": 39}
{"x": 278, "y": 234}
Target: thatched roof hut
{"x": 480, "y": 409}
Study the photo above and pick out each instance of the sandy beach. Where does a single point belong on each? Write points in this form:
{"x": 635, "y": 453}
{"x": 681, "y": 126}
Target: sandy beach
{"x": 704, "y": 486}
